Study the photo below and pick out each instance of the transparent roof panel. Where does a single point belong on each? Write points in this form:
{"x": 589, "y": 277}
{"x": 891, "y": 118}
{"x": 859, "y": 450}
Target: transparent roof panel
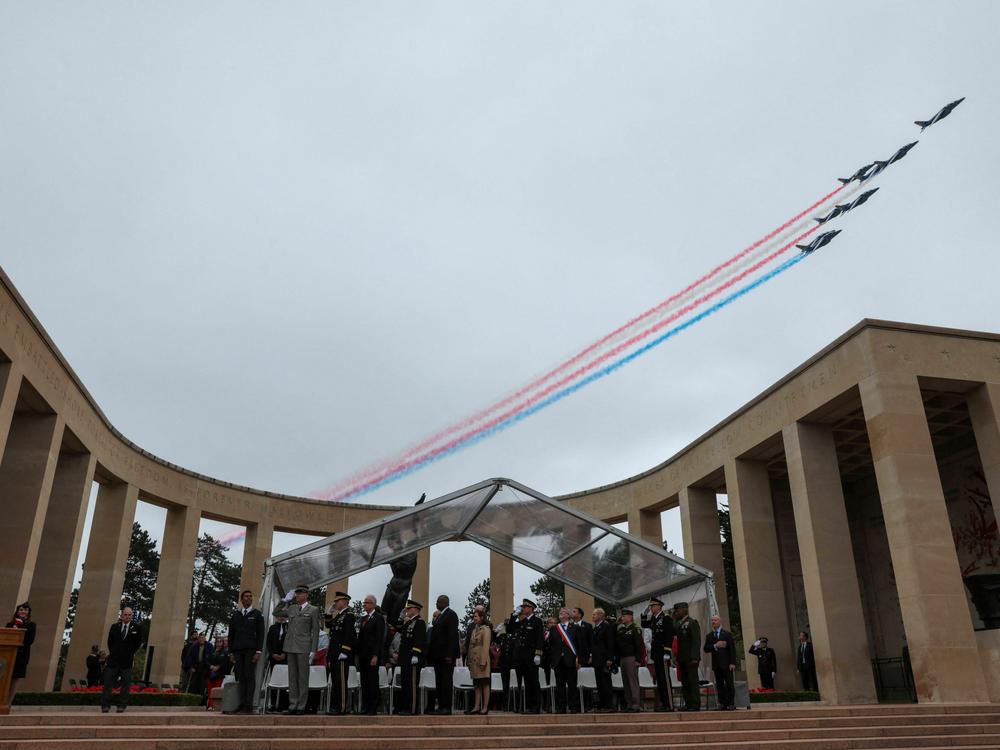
{"x": 527, "y": 529}
{"x": 512, "y": 519}
{"x": 434, "y": 523}
{"x": 620, "y": 567}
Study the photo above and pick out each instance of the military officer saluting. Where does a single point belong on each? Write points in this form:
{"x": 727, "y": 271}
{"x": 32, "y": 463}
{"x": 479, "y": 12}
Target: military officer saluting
{"x": 340, "y": 653}
{"x": 661, "y": 651}
{"x": 528, "y": 632}
{"x": 412, "y": 639}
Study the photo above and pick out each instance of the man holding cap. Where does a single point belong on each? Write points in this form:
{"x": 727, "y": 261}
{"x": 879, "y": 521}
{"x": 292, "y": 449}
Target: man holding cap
{"x": 340, "y": 653}
{"x": 301, "y": 643}
{"x": 660, "y": 650}
{"x": 527, "y": 630}
{"x": 412, "y": 637}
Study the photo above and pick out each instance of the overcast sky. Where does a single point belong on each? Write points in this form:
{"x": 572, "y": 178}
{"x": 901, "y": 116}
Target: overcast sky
{"x": 279, "y": 241}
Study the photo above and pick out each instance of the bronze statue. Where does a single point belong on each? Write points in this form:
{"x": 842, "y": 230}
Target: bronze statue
{"x": 398, "y": 589}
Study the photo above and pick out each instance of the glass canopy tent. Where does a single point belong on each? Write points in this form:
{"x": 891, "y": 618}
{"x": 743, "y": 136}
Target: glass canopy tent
{"x": 517, "y": 522}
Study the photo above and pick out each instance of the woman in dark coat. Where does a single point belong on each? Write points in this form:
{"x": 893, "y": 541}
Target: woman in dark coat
{"x": 94, "y": 669}
{"x": 21, "y": 621}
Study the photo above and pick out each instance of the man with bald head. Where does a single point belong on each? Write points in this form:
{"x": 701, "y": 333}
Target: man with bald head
{"x": 124, "y": 639}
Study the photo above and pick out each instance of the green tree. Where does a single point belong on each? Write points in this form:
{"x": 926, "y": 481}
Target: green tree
{"x": 479, "y": 595}
{"x": 215, "y": 587}
{"x": 729, "y": 567}
{"x": 140, "y": 573}
{"x": 550, "y": 595}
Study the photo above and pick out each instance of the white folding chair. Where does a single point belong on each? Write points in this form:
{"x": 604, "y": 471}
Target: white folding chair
{"x": 319, "y": 679}
{"x": 353, "y": 684}
{"x": 617, "y": 686}
{"x": 585, "y": 680}
{"x": 395, "y": 683}
{"x": 462, "y": 683}
{"x": 278, "y": 681}
{"x": 427, "y": 682}
{"x": 516, "y": 693}
{"x": 385, "y": 684}
{"x": 547, "y": 686}
{"x": 646, "y": 682}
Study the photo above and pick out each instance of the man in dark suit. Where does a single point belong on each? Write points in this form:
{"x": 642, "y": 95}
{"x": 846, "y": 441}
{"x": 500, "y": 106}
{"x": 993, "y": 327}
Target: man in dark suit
{"x": 371, "y": 643}
{"x": 443, "y": 648}
{"x": 561, "y": 653}
{"x": 340, "y": 653}
{"x": 579, "y": 619}
{"x": 528, "y": 633}
{"x": 124, "y": 639}
{"x": 805, "y": 662}
{"x": 276, "y": 655}
{"x": 246, "y": 640}
{"x": 602, "y": 656}
{"x": 660, "y": 651}
{"x": 720, "y": 644}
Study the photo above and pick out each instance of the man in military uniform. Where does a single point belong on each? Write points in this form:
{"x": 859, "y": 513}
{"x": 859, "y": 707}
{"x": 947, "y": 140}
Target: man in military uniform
{"x": 527, "y": 630}
{"x": 412, "y": 639}
{"x": 340, "y": 653}
{"x": 688, "y": 655}
{"x": 661, "y": 651}
{"x": 629, "y": 651}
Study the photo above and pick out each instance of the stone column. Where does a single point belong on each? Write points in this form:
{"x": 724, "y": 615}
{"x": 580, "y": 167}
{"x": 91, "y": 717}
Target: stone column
{"x": 933, "y": 602}
{"x": 341, "y": 585}
{"x": 984, "y": 410}
{"x": 758, "y": 566}
{"x": 26, "y": 472}
{"x": 703, "y": 539}
{"x": 576, "y": 598}
{"x": 501, "y": 586}
{"x": 420, "y": 589}
{"x": 53, "y": 581}
{"x": 256, "y": 549}
{"x": 103, "y": 574}
{"x": 168, "y": 623}
{"x": 840, "y": 643}
{"x": 10, "y": 386}
{"x": 646, "y": 525}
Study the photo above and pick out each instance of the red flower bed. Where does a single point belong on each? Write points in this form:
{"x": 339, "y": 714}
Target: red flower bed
{"x": 133, "y": 689}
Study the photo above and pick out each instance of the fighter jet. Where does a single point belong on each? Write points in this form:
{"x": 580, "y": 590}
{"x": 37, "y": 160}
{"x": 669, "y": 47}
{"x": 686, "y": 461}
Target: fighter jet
{"x": 945, "y": 111}
{"x": 843, "y": 208}
{"x": 880, "y": 166}
{"x": 817, "y": 243}
{"x": 860, "y": 175}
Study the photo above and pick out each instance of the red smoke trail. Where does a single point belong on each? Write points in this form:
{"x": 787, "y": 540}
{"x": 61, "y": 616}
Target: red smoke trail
{"x": 478, "y": 416}
{"x": 611, "y": 353}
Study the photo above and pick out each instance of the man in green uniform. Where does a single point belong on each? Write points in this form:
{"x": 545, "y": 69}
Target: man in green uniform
{"x": 412, "y": 639}
{"x": 661, "y": 651}
{"x": 688, "y": 655}
{"x": 340, "y": 653}
{"x": 629, "y": 649}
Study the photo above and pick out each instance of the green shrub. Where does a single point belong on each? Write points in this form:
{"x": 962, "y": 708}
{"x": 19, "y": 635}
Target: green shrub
{"x": 94, "y": 699}
{"x": 789, "y": 696}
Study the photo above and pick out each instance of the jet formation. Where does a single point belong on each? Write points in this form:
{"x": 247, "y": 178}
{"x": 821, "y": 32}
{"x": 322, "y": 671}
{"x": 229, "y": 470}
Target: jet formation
{"x": 943, "y": 113}
{"x": 843, "y": 208}
{"x": 816, "y": 244}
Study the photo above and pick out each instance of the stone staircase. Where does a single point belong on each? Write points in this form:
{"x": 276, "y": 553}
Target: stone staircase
{"x": 798, "y": 728}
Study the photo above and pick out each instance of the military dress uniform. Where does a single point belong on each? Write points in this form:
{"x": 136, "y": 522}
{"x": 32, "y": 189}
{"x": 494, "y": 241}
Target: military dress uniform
{"x": 343, "y": 638}
{"x": 412, "y": 639}
{"x": 528, "y": 636}
{"x": 688, "y": 657}
{"x": 628, "y": 650}
{"x": 660, "y": 653}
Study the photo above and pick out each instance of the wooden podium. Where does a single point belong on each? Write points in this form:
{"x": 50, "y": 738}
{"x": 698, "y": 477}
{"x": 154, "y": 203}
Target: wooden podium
{"x": 10, "y": 640}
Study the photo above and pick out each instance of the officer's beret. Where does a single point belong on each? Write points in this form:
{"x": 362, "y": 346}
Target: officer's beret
{"x": 411, "y": 603}
{"x": 654, "y": 600}
{"x": 341, "y": 595}
{"x": 302, "y": 588}
{"x": 529, "y": 603}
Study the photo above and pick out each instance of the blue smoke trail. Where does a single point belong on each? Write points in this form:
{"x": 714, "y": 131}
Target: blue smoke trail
{"x": 571, "y": 389}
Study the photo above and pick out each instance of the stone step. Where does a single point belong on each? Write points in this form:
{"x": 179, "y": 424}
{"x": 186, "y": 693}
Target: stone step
{"x": 619, "y": 742}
